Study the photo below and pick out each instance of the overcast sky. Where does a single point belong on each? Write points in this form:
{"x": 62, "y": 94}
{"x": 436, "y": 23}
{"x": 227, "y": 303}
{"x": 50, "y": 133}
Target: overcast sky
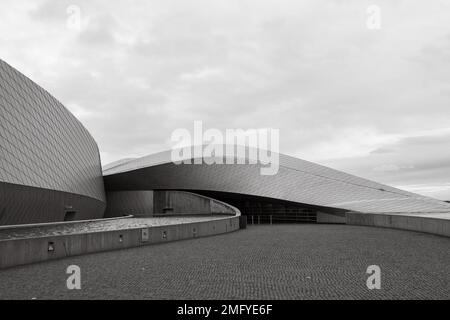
{"x": 372, "y": 102}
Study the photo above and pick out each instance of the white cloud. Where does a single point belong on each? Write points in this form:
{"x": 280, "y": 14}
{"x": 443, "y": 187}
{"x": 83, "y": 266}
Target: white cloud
{"x": 339, "y": 93}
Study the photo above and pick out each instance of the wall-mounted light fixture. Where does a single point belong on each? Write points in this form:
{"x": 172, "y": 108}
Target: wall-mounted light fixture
{"x": 144, "y": 235}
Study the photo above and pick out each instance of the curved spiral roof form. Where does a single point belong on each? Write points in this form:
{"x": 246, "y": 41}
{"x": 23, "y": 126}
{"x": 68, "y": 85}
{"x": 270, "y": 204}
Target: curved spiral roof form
{"x": 296, "y": 180}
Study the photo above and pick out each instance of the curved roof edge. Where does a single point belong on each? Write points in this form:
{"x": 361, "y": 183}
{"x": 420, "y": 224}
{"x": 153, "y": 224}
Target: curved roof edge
{"x": 321, "y": 179}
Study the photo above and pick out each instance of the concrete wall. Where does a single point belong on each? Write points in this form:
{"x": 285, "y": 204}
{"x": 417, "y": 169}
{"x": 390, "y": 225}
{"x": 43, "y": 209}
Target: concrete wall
{"x": 24, "y": 251}
{"x": 220, "y": 207}
{"x": 150, "y": 202}
{"x": 121, "y": 203}
{"x": 181, "y": 202}
{"x": 414, "y": 223}
{"x": 323, "y": 217}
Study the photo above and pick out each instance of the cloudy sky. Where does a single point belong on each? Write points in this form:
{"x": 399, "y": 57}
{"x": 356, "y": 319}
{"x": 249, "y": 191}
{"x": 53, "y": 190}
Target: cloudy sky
{"x": 371, "y": 101}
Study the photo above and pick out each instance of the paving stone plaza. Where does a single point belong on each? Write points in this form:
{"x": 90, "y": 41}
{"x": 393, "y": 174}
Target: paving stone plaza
{"x": 284, "y": 261}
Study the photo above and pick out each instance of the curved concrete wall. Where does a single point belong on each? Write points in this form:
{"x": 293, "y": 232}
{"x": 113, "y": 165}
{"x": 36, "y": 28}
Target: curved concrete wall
{"x": 121, "y": 203}
{"x": 50, "y": 164}
{"x": 158, "y": 202}
{"x": 437, "y": 226}
{"x": 23, "y": 251}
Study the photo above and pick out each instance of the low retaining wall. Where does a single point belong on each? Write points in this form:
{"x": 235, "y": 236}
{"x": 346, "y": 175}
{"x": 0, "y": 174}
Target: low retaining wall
{"x": 158, "y": 202}
{"x": 186, "y": 203}
{"x": 47, "y": 224}
{"x": 23, "y": 251}
{"x": 338, "y": 218}
{"x": 413, "y": 223}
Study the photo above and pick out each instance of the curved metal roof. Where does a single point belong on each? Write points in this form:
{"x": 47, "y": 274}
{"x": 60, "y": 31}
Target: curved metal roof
{"x": 297, "y": 180}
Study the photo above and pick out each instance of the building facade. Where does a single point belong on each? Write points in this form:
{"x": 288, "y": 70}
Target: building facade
{"x": 301, "y": 190}
{"x": 50, "y": 165}
{"x": 50, "y": 171}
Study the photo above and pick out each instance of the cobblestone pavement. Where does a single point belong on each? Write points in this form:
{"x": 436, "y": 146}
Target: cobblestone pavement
{"x": 96, "y": 226}
{"x": 262, "y": 262}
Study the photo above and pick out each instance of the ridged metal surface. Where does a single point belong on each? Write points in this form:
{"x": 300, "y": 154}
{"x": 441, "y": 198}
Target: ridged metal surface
{"x": 297, "y": 180}
{"x": 43, "y": 146}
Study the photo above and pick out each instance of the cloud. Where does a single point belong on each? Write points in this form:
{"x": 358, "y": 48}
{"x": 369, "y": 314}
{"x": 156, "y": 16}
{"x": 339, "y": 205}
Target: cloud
{"x": 418, "y": 162}
{"x": 392, "y": 167}
{"x": 341, "y": 94}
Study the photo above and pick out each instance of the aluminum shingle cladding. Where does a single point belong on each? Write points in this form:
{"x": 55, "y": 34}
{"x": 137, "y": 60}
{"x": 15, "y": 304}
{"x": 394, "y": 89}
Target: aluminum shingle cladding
{"x": 297, "y": 180}
{"x": 41, "y": 143}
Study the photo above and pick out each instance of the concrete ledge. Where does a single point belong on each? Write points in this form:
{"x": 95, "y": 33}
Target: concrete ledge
{"x": 23, "y": 251}
{"x": 405, "y": 222}
{"x": 47, "y": 224}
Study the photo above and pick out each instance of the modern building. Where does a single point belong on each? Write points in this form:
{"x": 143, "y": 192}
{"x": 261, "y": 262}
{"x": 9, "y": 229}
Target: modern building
{"x": 49, "y": 163}
{"x": 50, "y": 171}
{"x": 301, "y": 190}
